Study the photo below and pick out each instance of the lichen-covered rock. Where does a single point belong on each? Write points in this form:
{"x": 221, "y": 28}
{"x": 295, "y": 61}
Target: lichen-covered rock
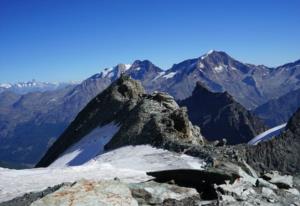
{"x": 89, "y": 193}
{"x": 115, "y": 193}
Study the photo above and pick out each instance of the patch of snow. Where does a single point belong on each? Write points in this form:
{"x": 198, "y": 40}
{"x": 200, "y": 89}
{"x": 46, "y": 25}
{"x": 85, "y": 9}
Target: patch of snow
{"x": 267, "y": 134}
{"x": 129, "y": 163}
{"x": 106, "y": 71}
{"x": 88, "y": 147}
{"x": 127, "y": 66}
{"x": 159, "y": 75}
{"x": 170, "y": 75}
{"x": 137, "y": 69}
{"x": 201, "y": 65}
{"x": 233, "y": 68}
{"x": 218, "y": 68}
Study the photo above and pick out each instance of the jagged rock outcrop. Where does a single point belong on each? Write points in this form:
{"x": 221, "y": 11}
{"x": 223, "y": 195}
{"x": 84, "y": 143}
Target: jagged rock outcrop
{"x": 281, "y": 153}
{"x": 154, "y": 119}
{"x": 220, "y": 116}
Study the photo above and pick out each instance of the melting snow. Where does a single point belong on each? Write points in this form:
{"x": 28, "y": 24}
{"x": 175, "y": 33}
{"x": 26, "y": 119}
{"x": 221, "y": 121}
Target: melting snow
{"x": 267, "y": 134}
{"x": 130, "y": 164}
{"x": 88, "y": 147}
{"x": 170, "y": 75}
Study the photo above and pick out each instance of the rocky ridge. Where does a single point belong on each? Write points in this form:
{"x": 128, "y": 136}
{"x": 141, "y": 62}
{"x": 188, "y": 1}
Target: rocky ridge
{"x": 154, "y": 119}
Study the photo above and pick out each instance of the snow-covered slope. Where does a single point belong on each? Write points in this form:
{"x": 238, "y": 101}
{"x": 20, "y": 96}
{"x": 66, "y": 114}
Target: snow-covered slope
{"x": 88, "y": 147}
{"x": 267, "y": 134}
{"x": 130, "y": 164}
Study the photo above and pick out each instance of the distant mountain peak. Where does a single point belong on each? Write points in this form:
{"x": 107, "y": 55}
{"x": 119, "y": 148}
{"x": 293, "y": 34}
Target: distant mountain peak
{"x": 214, "y": 53}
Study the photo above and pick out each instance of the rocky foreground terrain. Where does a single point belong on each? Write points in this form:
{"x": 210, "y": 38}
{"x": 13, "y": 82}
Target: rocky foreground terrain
{"x": 186, "y": 170}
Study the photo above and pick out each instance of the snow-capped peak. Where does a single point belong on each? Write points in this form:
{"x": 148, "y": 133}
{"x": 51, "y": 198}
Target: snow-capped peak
{"x": 5, "y": 85}
{"x": 210, "y": 52}
{"x": 207, "y": 54}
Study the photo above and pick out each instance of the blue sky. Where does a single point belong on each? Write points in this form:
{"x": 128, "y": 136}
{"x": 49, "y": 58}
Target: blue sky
{"x": 60, "y": 40}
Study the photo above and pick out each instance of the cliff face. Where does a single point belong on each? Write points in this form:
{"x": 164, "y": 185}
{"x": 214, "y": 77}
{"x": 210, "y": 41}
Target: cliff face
{"x": 220, "y": 116}
{"x": 281, "y": 153}
{"x": 154, "y": 119}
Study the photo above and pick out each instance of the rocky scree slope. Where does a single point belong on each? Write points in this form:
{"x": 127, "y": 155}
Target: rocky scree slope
{"x": 154, "y": 119}
{"x": 220, "y": 116}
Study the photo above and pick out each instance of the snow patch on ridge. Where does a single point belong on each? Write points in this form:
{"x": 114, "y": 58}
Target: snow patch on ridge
{"x": 170, "y": 75}
{"x": 267, "y": 134}
{"x": 88, "y": 147}
{"x": 127, "y": 66}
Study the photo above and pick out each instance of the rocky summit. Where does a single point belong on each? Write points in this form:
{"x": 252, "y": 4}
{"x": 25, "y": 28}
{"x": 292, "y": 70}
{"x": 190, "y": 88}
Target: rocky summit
{"x": 154, "y": 119}
{"x": 220, "y": 116}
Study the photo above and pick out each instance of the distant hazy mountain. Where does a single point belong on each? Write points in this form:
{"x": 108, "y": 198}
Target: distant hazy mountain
{"x": 220, "y": 116}
{"x": 278, "y": 111}
{"x": 33, "y": 86}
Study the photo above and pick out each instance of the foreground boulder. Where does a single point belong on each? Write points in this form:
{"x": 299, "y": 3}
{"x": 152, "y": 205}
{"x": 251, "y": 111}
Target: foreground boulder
{"x": 111, "y": 192}
{"x": 153, "y": 119}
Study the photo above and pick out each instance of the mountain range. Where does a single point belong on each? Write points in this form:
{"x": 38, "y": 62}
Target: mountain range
{"x": 31, "y": 122}
{"x": 33, "y": 86}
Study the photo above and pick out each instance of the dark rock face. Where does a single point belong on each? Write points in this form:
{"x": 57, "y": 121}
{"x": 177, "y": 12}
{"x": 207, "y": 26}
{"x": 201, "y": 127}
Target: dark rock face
{"x": 278, "y": 111}
{"x": 220, "y": 116}
{"x": 154, "y": 119}
{"x": 281, "y": 153}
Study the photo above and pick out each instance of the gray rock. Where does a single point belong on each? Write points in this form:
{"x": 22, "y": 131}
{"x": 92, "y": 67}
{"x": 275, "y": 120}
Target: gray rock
{"x": 282, "y": 181}
{"x": 89, "y": 193}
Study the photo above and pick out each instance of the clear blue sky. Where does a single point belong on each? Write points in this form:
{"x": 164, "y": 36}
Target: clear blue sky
{"x": 64, "y": 40}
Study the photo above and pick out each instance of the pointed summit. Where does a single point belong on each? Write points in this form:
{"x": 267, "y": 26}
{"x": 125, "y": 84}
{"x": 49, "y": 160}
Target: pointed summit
{"x": 220, "y": 116}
